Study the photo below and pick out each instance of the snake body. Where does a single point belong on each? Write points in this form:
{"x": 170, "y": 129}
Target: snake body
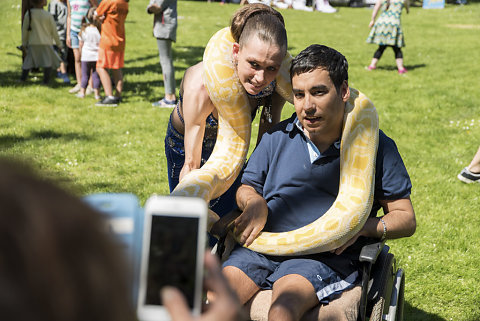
{"x": 234, "y": 121}
{"x": 357, "y": 157}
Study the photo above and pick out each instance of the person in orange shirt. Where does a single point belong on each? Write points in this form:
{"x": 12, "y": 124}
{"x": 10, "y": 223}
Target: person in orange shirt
{"x": 112, "y": 14}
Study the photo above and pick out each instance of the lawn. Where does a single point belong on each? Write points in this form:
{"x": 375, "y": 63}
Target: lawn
{"x": 432, "y": 112}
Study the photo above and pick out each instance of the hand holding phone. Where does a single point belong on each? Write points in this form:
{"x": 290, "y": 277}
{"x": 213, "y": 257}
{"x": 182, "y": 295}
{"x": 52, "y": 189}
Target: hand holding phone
{"x": 172, "y": 254}
{"x": 226, "y": 307}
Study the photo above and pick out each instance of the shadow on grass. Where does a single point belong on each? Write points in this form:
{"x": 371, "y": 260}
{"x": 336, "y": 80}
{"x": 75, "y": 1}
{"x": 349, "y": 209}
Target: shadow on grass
{"x": 11, "y": 79}
{"x": 412, "y": 313}
{"x": 7, "y": 141}
{"x": 409, "y": 67}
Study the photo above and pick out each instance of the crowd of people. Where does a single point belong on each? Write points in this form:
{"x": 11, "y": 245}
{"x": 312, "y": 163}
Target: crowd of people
{"x": 94, "y": 31}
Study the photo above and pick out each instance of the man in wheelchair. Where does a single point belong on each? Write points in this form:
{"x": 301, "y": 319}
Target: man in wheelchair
{"x": 292, "y": 178}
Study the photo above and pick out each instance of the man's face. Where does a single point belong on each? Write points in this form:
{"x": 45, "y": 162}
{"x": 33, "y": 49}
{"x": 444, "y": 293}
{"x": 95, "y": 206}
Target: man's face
{"x": 258, "y": 63}
{"x": 319, "y": 107}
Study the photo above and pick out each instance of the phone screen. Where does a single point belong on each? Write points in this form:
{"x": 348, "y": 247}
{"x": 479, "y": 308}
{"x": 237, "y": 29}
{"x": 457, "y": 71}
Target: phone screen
{"x": 172, "y": 256}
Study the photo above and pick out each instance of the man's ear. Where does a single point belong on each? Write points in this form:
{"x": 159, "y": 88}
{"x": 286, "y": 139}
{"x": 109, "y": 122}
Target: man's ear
{"x": 345, "y": 90}
{"x": 235, "y": 50}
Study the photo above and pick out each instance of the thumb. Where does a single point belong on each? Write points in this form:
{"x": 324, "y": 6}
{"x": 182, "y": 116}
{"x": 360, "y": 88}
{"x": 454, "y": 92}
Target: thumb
{"x": 176, "y": 304}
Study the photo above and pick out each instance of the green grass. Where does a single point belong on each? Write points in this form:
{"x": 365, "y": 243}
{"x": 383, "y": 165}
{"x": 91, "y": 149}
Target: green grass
{"x": 432, "y": 112}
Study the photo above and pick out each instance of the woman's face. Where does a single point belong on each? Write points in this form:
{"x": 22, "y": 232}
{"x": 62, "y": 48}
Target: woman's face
{"x": 258, "y": 63}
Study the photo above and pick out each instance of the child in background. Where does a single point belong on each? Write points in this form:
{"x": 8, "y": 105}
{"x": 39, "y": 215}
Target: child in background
{"x": 89, "y": 37}
{"x": 77, "y": 9}
{"x": 387, "y": 31}
{"x": 38, "y": 35}
{"x": 58, "y": 9}
{"x": 111, "y": 53}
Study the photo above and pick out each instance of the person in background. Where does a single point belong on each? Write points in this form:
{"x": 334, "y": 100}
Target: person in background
{"x": 89, "y": 37}
{"x": 112, "y": 14}
{"x": 39, "y": 32}
{"x": 77, "y": 9}
{"x": 58, "y": 260}
{"x": 165, "y": 30}
{"x": 471, "y": 173}
{"x": 324, "y": 6}
{"x": 387, "y": 31}
{"x": 59, "y": 10}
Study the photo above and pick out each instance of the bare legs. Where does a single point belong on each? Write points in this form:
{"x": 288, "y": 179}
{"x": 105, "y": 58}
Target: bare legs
{"x": 474, "y": 166}
{"x": 78, "y": 64}
{"x": 107, "y": 84}
{"x": 292, "y": 295}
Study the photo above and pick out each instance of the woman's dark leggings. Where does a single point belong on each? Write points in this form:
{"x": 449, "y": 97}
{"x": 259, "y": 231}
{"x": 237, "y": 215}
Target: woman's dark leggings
{"x": 46, "y": 74}
{"x": 381, "y": 49}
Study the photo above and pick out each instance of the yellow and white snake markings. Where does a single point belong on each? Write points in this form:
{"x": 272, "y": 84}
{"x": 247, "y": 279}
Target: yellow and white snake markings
{"x": 234, "y": 124}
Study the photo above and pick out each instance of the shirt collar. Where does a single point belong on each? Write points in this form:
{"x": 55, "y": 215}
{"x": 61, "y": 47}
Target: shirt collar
{"x": 313, "y": 151}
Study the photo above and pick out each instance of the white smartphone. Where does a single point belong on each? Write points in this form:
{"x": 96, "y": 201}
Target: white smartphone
{"x": 173, "y": 249}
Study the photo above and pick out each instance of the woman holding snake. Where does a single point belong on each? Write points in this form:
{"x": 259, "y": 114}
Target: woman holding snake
{"x": 260, "y": 45}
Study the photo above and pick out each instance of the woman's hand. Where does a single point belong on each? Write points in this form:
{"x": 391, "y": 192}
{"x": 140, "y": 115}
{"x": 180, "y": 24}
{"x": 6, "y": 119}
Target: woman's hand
{"x": 370, "y": 25}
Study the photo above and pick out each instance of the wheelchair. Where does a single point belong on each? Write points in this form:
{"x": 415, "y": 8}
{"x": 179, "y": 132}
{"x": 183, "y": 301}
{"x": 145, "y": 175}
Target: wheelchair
{"x": 382, "y": 286}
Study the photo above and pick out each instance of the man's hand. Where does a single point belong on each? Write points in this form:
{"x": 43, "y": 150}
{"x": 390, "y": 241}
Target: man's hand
{"x": 349, "y": 242}
{"x": 225, "y": 308}
{"x": 252, "y": 221}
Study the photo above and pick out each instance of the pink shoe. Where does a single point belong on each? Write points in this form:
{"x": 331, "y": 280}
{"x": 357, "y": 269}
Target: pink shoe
{"x": 371, "y": 68}
{"x": 402, "y": 71}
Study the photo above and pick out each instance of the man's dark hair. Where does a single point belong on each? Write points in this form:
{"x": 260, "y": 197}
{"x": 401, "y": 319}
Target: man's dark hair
{"x": 323, "y": 57}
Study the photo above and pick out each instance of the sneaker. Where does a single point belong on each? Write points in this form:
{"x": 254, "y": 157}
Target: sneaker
{"x": 64, "y": 77}
{"x": 80, "y": 95}
{"x": 165, "y": 103}
{"x": 325, "y": 7}
{"x": 402, "y": 71}
{"x": 98, "y": 97}
{"x": 75, "y": 89}
{"x": 66, "y": 80}
{"x": 89, "y": 91}
{"x": 468, "y": 177}
{"x": 108, "y": 102}
{"x": 369, "y": 67}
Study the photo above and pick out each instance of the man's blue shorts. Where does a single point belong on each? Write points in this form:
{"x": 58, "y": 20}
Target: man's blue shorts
{"x": 265, "y": 270}
{"x": 74, "y": 42}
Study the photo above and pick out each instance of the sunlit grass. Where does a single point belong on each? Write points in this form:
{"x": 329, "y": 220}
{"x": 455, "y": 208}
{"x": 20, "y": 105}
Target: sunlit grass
{"x": 432, "y": 113}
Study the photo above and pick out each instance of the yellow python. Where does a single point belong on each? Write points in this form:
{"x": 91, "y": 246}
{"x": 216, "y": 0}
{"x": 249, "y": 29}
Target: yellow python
{"x": 357, "y": 157}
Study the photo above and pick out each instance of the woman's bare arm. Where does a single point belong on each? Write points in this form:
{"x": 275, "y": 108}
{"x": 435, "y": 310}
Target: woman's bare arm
{"x": 196, "y": 108}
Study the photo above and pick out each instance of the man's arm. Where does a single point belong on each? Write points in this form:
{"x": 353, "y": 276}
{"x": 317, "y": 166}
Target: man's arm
{"x": 399, "y": 221}
{"x": 254, "y": 214}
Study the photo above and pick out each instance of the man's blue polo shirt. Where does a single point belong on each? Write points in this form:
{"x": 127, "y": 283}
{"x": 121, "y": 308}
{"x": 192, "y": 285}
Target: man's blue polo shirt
{"x": 298, "y": 191}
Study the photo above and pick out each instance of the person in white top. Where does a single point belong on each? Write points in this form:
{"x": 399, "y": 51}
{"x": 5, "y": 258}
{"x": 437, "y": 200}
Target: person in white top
{"x": 89, "y": 42}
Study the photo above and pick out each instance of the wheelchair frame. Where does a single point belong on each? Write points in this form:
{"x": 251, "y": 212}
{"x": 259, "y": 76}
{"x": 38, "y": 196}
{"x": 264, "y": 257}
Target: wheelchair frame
{"x": 383, "y": 285}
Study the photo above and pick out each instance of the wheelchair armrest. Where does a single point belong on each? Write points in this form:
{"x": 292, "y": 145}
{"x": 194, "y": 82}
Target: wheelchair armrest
{"x": 221, "y": 227}
{"x": 370, "y": 252}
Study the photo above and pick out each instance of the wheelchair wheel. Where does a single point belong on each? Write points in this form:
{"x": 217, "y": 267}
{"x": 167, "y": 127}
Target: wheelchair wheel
{"x": 395, "y": 311}
{"x": 380, "y": 293}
